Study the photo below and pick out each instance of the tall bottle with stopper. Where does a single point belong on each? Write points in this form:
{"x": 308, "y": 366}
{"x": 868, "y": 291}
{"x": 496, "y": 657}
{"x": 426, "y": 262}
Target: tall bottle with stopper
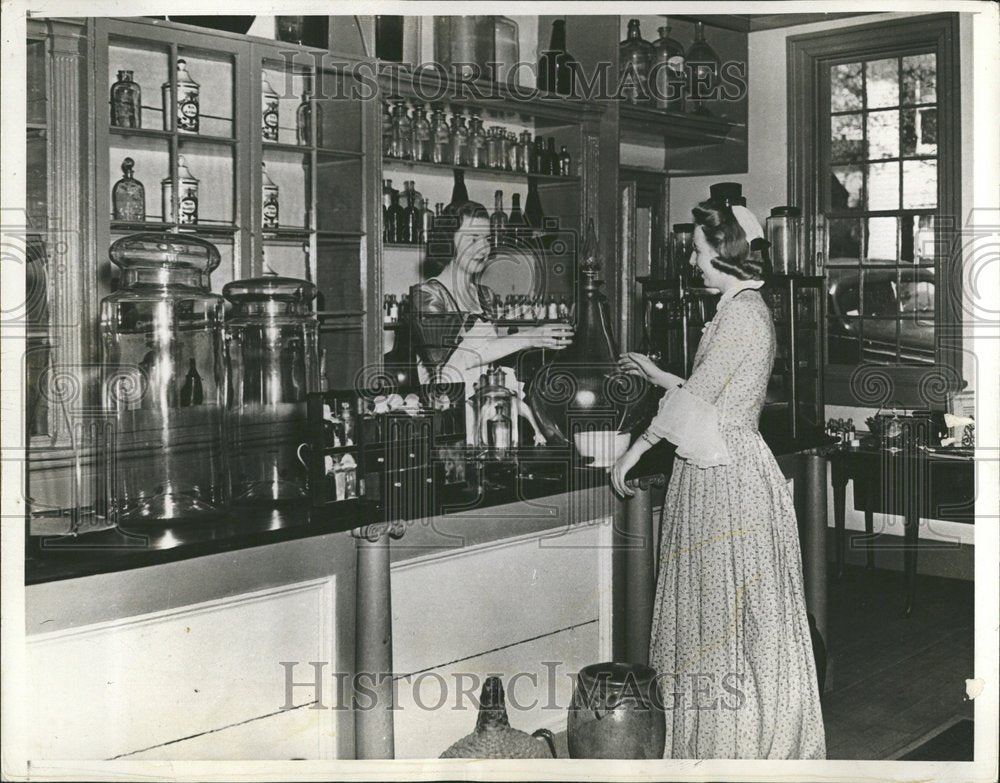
{"x": 128, "y": 197}
{"x": 579, "y": 396}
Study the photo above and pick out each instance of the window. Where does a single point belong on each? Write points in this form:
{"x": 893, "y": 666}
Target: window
{"x": 873, "y": 125}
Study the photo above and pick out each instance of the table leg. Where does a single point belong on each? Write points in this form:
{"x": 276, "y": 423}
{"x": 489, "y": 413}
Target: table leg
{"x": 838, "y": 478}
{"x": 911, "y": 540}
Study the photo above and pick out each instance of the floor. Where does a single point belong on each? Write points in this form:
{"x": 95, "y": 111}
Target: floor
{"x": 891, "y": 681}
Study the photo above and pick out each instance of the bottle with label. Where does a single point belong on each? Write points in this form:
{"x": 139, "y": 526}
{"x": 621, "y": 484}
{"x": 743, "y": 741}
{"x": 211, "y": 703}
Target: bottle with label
{"x": 565, "y": 163}
{"x": 511, "y": 150}
{"x": 668, "y": 72}
{"x": 477, "y": 144}
{"x": 192, "y": 392}
{"x": 303, "y": 117}
{"x": 421, "y": 144}
{"x": 498, "y": 220}
{"x": 128, "y": 197}
{"x": 269, "y": 199}
{"x": 187, "y": 195}
{"x": 441, "y": 153}
{"x": 459, "y": 140}
{"x": 268, "y": 110}
{"x": 126, "y": 102}
{"x": 187, "y": 114}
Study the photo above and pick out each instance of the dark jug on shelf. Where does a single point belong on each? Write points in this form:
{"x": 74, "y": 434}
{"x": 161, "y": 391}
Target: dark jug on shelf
{"x": 616, "y": 712}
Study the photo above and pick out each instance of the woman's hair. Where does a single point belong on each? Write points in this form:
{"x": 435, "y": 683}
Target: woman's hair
{"x": 734, "y": 255}
{"x": 441, "y": 242}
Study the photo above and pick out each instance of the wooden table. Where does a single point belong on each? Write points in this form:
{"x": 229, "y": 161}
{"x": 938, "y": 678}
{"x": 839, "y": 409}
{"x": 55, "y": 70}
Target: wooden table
{"x": 911, "y": 482}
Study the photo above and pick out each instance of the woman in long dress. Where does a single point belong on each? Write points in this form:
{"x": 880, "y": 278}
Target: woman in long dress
{"x": 730, "y": 638}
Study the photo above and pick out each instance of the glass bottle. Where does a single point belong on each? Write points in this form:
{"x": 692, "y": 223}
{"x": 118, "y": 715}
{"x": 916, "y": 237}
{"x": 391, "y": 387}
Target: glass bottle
{"x": 556, "y": 67}
{"x": 634, "y": 54}
{"x": 510, "y": 150}
{"x": 516, "y": 224}
{"x": 402, "y": 134}
{"x": 128, "y": 196}
{"x": 533, "y": 213}
{"x": 477, "y": 144}
{"x": 187, "y": 195}
{"x": 268, "y": 110}
{"x": 271, "y": 334}
{"x": 600, "y": 394}
{"x": 551, "y": 157}
{"x": 187, "y": 114}
{"x": 426, "y": 220}
{"x": 387, "y": 191}
{"x": 162, "y": 337}
{"x": 459, "y": 140}
{"x": 704, "y": 65}
{"x": 386, "y": 130}
{"x": 498, "y": 220}
{"x": 411, "y": 215}
{"x": 269, "y": 199}
{"x": 421, "y": 145}
{"x": 524, "y": 152}
{"x": 537, "y": 156}
{"x": 442, "y": 138}
{"x": 303, "y": 117}
{"x": 459, "y": 194}
{"x": 126, "y": 102}
{"x": 668, "y": 72}
{"x": 565, "y": 163}
{"x": 394, "y": 219}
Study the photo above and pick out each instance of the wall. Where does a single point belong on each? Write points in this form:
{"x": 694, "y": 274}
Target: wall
{"x": 765, "y": 182}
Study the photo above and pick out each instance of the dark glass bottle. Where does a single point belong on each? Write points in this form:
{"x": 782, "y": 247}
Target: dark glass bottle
{"x": 524, "y": 152}
{"x": 634, "y": 54}
{"x": 386, "y": 203}
{"x": 517, "y": 226}
{"x": 126, "y": 102}
{"x": 459, "y": 195}
{"x": 703, "y": 63}
{"x": 394, "y": 219}
{"x": 533, "y": 213}
{"x": 426, "y": 220}
{"x": 303, "y": 118}
{"x": 537, "y": 156}
{"x": 128, "y": 197}
{"x": 565, "y": 162}
{"x": 556, "y": 67}
{"x": 498, "y": 220}
{"x": 386, "y": 130}
{"x": 551, "y": 165}
{"x": 668, "y": 72}
{"x": 192, "y": 392}
{"x": 411, "y": 215}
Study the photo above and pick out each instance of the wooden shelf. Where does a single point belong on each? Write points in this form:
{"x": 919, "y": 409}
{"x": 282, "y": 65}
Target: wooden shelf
{"x": 156, "y": 225}
{"x": 472, "y": 173}
{"x": 677, "y": 129}
{"x": 188, "y": 138}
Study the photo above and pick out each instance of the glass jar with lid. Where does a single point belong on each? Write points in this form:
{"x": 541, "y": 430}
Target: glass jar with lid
{"x": 163, "y": 381}
{"x": 784, "y": 233}
{"x": 271, "y": 336}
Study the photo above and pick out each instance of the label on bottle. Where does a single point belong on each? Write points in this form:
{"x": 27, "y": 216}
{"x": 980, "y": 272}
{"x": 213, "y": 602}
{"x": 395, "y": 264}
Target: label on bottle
{"x": 676, "y": 64}
{"x": 187, "y": 109}
{"x": 188, "y": 206}
{"x": 269, "y": 120}
{"x": 269, "y": 216}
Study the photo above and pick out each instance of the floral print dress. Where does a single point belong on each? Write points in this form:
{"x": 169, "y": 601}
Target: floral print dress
{"x": 730, "y": 638}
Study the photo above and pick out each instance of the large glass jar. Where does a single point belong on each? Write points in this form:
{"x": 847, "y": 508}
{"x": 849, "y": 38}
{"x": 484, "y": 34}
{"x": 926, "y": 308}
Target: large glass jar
{"x": 635, "y": 54}
{"x": 668, "y": 72}
{"x": 271, "y": 336}
{"x": 463, "y": 40}
{"x": 163, "y": 371}
{"x": 784, "y": 233}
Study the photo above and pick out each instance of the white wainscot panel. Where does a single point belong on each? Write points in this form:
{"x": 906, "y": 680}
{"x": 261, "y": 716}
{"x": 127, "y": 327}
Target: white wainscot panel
{"x": 117, "y": 688}
{"x": 538, "y": 678}
{"x": 454, "y": 605}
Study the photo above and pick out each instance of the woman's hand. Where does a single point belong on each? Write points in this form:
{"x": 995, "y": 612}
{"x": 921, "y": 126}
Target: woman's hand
{"x": 622, "y": 466}
{"x": 553, "y": 336}
{"x": 641, "y": 365}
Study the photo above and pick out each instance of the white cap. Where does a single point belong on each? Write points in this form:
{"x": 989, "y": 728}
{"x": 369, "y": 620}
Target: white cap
{"x": 748, "y": 222}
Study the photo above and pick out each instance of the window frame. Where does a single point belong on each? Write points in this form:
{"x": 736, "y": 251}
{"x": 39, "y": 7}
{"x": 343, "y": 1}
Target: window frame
{"x": 809, "y": 57}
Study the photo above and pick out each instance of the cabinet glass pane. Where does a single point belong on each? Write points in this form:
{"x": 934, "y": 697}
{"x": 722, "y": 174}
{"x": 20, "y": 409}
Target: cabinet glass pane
{"x": 287, "y": 256}
{"x": 151, "y": 159}
{"x": 339, "y": 194}
{"x": 338, "y": 117}
{"x": 35, "y": 83}
{"x": 338, "y": 275}
{"x": 289, "y": 86}
{"x": 290, "y": 172}
{"x": 150, "y": 67}
{"x": 213, "y": 166}
{"x": 214, "y": 74}
{"x": 344, "y": 345}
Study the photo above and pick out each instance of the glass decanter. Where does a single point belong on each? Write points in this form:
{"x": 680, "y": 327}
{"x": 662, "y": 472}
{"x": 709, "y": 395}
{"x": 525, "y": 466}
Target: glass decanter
{"x": 128, "y": 197}
{"x": 126, "y": 102}
{"x": 635, "y": 54}
{"x": 668, "y": 70}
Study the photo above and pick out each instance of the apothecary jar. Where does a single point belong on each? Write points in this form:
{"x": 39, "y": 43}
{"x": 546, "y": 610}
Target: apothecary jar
{"x": 163, "y": 371}
{"x": 271, "y": 338}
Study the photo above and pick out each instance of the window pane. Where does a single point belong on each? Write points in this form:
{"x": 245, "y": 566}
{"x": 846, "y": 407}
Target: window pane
{"x": 881, "y": 241}
{"x": 919, "y": 132}
{"x": 882, "y": 83}
{"x": 842, "y": 345}
{"x": 846, "y": 183}
{"x": 879, "y": 340}
{"x": 845, "y": 87}
{"x": 878, "y": 293}
{"x": 843, "y": 324}
{"x": 846, "y": 138}
{"x": 924, "y": 241}
{"x": 883, "y": 134}
{"x": 919, "y": 184}
{"x": 845, "y": 241}
{"x": 920, "y": 78}
{"x": 883, "y": 186}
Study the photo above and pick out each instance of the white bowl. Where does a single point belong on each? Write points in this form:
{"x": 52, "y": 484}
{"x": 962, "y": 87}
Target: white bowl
{"x": 605, "y": 446}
